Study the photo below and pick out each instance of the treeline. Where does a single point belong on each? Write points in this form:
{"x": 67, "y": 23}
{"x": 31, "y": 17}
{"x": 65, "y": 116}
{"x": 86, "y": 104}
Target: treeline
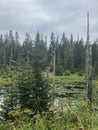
{"x": 70, "y": 53}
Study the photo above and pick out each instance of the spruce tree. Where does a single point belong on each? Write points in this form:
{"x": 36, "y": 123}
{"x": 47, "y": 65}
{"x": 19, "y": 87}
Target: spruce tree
{"x": 10, "y": 99}
{"x": 33, "y": 90}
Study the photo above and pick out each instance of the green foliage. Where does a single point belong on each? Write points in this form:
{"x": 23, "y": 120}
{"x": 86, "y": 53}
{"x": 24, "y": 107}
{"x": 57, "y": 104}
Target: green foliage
{"x": 72, "y": 113}
{"x": 80, "y": 73}
{"x": 10, "y": 100}
{"x": 59, "y": 70}
{"x": 39, "y": 52}
{"x": 70, "y": 54}
{"x": 76, "y": 116}
{"x": 79, "y": 55}
{"x": 33, "y": 90}
{"x": 96, "y": 69}
{"x": 67, "y": 73}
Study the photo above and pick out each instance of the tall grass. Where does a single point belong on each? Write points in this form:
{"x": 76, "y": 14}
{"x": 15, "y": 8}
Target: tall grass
{"x": 76, "y": 116}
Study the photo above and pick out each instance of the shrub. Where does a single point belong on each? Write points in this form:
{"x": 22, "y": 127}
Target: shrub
{"x": 59, "y": 70}
{"x": 80, "y": 73}
{"x": 67, "y": 73}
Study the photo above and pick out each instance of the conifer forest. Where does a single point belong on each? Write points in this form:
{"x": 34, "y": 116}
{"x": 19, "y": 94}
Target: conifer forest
{"x": 45, "y": 84}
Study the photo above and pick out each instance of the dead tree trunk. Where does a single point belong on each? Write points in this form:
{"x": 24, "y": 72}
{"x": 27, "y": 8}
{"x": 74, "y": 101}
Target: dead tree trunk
{"x": 54, "y": 74}
{"x": 10, "y": 67}
{"x": 47, "y": 73}
{"x": 4, "y": 60}
{"x": 88, "y": 65}
{"x": 28, "y": 60}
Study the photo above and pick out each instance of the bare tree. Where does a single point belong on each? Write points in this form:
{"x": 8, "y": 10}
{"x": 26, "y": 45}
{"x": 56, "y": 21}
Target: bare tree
{"x": 54, "y": 55}
{"x": 4, "y": 59}
{"x": 11, "y": 61}
{"x": 88, "y": 64}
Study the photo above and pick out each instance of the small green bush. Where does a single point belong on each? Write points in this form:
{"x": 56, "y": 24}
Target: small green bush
{"x": 67, "y": 73}
{"x": 59, "y": 70}
{"x": 80, "y": 73}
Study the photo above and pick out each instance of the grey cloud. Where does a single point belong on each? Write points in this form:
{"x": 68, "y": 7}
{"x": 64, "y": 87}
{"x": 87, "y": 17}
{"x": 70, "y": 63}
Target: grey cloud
{"x": 49, "y": 16}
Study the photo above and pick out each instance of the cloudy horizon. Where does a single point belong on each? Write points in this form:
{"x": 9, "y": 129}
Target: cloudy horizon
{"x": 49, "y": 16}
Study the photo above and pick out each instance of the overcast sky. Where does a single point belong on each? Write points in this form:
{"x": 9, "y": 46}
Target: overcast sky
{"x": 48, "y": 16}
